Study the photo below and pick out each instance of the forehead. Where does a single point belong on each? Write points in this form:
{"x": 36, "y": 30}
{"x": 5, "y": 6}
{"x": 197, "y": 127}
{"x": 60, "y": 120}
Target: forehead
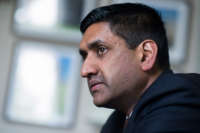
{"x": 97, "y": 32}
{"x": 101, "y": 27}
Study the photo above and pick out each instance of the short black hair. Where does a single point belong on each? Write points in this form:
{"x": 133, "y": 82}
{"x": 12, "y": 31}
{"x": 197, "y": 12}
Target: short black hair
{"x": 134, "y": 22}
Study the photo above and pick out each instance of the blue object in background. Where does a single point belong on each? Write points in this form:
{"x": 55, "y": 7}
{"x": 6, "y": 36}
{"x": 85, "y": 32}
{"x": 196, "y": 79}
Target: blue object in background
{"x": 63, "y": 68}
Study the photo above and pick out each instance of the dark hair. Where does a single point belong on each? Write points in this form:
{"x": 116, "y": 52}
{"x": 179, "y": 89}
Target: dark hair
{"x": 134, "y": 23}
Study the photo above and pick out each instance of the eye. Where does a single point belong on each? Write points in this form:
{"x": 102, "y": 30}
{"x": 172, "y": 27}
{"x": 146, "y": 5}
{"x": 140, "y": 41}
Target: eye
{"x": 101, "y": 50}
{"x": 83, "y": 54}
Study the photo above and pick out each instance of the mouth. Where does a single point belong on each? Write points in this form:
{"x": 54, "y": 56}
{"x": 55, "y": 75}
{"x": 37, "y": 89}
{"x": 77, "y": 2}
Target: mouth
{"x": 94, "y": 85}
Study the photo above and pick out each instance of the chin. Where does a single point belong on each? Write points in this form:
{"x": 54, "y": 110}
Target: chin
{"x": 102, "y": 103}
{"x": 102, "y": 100}
{"x": 98, "y": 103}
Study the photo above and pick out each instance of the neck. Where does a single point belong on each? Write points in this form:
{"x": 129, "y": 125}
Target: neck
{"x": 130, "y": 103}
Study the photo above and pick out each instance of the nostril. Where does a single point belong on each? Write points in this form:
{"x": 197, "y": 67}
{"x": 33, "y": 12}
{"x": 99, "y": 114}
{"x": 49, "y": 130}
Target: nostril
{"x": 83, "y": 72}
{"x": 88, "y": 69}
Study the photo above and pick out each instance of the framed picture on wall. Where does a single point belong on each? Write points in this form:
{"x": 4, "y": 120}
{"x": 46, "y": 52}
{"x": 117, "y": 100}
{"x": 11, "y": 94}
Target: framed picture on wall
{"x": 175, "y": 14}
{"x": 48, "y": 19}
{"x": 44, "y": 85}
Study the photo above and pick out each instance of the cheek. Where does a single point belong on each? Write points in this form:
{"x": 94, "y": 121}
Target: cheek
{"x": 122, "y": 76}
{"x": 119, "y": 71}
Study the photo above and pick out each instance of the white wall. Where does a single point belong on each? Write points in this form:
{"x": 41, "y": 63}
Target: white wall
{"x": 85, "y": 106}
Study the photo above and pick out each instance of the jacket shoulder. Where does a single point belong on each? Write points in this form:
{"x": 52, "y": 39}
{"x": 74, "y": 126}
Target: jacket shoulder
{"x": 172, "y": 101}
{"x": 115, "y": 123}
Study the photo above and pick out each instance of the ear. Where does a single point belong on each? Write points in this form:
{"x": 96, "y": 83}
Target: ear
{"x": 148, "y": 50}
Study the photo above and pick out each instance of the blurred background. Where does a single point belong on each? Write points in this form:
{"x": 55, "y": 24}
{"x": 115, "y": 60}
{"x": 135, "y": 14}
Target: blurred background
{"x": 40, "y": 86}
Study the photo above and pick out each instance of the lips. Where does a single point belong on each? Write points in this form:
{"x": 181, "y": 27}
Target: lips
{"x": 93, "y": 85}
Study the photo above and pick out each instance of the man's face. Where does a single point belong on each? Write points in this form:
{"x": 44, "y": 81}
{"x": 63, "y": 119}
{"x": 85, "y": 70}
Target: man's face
{"x": 112, "y": 70}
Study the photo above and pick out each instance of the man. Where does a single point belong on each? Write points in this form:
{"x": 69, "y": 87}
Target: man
{"x": 126, "y": 63}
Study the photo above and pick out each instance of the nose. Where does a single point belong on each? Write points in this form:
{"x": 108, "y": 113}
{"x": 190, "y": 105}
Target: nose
{"x": 89, "y": 67}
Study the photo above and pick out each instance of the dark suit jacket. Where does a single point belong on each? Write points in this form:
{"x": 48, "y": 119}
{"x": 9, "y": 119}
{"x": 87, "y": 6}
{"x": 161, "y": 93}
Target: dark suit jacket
{"x": 170, "y": 105}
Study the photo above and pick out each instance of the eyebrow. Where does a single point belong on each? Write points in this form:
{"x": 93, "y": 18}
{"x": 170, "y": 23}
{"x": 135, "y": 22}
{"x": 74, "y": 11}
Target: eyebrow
{"x": 94, "y": 44}
{"x": 91, "y": 45}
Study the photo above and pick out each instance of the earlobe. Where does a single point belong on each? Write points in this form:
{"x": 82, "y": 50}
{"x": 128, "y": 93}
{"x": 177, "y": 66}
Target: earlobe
{"x": 149, "y": 51}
